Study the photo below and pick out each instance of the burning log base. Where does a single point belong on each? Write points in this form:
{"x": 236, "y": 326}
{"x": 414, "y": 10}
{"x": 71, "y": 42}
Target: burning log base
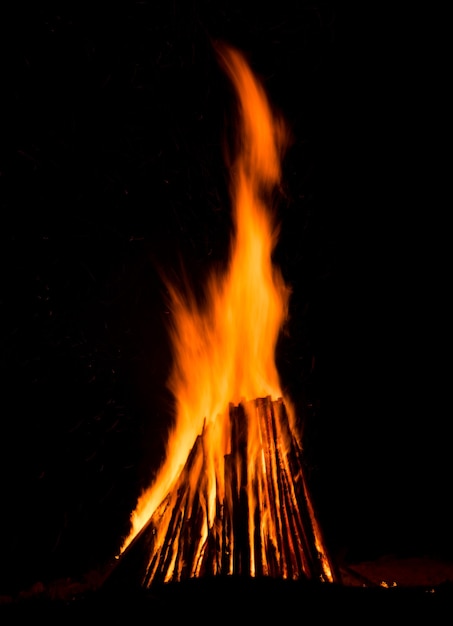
{"x": 263, "y": 523}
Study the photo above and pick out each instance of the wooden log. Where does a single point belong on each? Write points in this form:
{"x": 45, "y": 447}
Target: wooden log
{"x": 227, "y": 530}
{"x": 291, "y": 545}
{"x": 258, "y": 554}
{"x": 160, "y": 563}
{"x": 213, "y": 553}
{"x": 239, "y": 447}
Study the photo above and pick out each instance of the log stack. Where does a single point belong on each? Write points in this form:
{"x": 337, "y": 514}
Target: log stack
{"x": 263, "y": 523}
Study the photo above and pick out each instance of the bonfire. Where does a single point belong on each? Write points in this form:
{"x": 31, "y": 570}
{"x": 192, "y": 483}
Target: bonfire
{"x": 231, "y": 497}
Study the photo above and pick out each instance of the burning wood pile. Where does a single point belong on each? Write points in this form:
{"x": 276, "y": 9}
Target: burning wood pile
{"x": 264, "y": 525}
{"x": 231, "y": 497}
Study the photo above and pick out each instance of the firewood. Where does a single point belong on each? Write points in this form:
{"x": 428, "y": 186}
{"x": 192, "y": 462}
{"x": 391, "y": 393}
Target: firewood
{"x": 264, "y": 523}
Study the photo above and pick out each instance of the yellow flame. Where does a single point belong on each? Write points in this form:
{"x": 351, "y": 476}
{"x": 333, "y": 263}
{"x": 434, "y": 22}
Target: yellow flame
{"x": 224, "y": 348}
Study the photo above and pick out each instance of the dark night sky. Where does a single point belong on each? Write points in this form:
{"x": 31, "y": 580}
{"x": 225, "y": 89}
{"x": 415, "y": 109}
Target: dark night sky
{"x": 112, "y": 165}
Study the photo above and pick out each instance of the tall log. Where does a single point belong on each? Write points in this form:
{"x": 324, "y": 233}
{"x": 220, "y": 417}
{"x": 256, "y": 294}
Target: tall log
{"x": 239, "y": 445}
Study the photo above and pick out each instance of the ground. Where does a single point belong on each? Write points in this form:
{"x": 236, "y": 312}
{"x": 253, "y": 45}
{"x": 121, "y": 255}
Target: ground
{"x": 407, "y": 585}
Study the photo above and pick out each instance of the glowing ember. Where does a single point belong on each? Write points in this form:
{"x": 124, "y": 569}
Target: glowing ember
{"x": 227, "y": 498}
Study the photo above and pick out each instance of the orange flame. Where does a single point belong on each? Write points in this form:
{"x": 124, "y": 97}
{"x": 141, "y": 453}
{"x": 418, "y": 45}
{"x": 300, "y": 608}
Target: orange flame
{"x": 224, "y": 349}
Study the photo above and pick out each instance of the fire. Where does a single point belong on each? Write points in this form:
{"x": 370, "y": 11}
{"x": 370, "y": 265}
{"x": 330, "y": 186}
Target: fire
{"x": 224, "y": 355}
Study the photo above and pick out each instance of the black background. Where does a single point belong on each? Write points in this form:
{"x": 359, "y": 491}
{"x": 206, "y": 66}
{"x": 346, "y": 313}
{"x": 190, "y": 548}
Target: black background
{"x": 112, "y": 134}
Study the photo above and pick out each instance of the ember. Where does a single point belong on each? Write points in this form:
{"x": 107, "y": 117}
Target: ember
{"x": 231, "y": 497}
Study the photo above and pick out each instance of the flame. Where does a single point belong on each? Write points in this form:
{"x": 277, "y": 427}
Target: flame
{"x": 224, "y": 347}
